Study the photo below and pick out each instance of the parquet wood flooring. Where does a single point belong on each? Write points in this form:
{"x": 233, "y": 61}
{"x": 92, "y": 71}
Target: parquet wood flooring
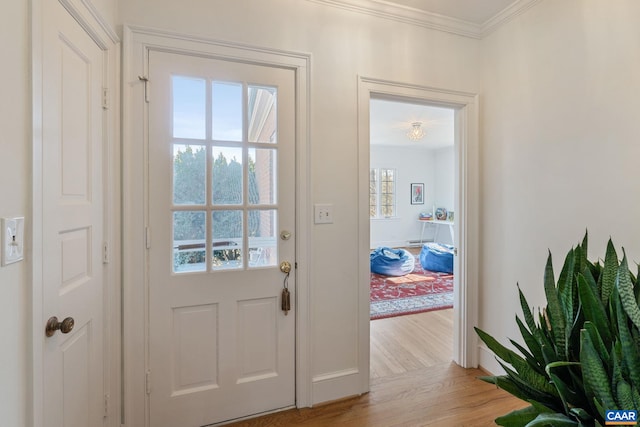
{"x": 413, "y": 383}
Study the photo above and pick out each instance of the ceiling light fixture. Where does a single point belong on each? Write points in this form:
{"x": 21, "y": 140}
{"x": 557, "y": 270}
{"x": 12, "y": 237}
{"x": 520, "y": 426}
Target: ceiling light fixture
{"x": 416, "y": 131}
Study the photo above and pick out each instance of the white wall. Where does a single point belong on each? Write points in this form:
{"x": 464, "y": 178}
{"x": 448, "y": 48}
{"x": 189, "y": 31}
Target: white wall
{"x": 15, "y": 87}
{"x": 560, "y": 145}
{"x": 444, "y": 163}
{"x": 343, "y": 45}
{"x": 433, "y": 168}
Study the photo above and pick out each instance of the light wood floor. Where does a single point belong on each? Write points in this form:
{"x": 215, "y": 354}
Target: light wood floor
{"x": 413, "y": 383}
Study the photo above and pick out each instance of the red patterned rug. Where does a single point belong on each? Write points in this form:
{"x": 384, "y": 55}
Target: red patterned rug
{"x": 417, "y": 292}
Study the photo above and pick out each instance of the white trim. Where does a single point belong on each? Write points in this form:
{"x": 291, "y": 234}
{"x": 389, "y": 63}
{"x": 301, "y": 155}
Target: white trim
{"x": 507, "y": 14}
{"x": 342, "y": 383}
{"x": 488, "y": 362}
{"x": 138, "y": 41}
{"x": 408, "y": 15}
{"x": 102, "y": 34}
{"x": 37, "y": 362}
{"x": 466, "y": 288}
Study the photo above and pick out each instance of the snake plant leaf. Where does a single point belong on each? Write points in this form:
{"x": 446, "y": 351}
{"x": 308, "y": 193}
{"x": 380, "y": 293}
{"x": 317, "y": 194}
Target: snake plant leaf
{"x": 518, "y": 418}
{"x": 598, "y": 344}
{"x": 570, "y": 393}
{"x": 498, "y": 349}
{"x": 626, "y": 292}
{"x": 531, "y": 376}
{"x": 530, "y": 388}
{"x": 526, "y": 311}
{"x": 624, "y": 396}
{"x": 566, "y": 290}
{"x": 531, "y": 360}
{"x": 593, "y": 309}
{"x": 615, "y": 373}
{"x": 635, "y": 396}
{"x": 634, "y": 281}
{"x": 588, "y": 276}
{"x": 534, "y": 346}
{"x": 581, "y": 414}
{"x": 585, "y": 244}
{"x": 555, "y": 310}
{"x": 503, "y": 382}
{"x": 599, "y": 407}
{"x": 594, "y": 373}
{"x": 549, "y": 354}
{"x": 552, "y": 420}
{"x": 568, "y": 396}
{"x": 609, "y": 273}
{"x": 629, "y": 349}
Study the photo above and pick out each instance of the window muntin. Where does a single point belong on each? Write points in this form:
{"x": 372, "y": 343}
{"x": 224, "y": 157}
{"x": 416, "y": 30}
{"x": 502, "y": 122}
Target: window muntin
{"x": 382, "y": 193}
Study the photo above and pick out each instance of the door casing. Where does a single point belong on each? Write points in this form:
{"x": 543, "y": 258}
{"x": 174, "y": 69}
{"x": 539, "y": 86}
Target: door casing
{"x": 465, "y": 344}
{"x": 138, "y": 42}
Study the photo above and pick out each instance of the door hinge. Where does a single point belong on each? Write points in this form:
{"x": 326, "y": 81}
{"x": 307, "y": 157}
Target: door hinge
{"x": 147, "y": 237}
{"x": 106, "y": 406}
{"x": 145, "y": 79}
{"x": 147, "y": 380}
{"x": 105, "y": 98}
{"x": 105, "y": 253}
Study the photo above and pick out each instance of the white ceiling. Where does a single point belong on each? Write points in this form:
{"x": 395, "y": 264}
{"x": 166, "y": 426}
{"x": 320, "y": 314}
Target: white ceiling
{"x": 474, "y": 11}
{"x": 391, "y": 120}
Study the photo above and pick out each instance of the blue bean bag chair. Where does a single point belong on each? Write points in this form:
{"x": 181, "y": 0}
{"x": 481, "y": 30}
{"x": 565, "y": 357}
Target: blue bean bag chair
{"x": 391, "y": 262}
{"x": 437, "y": 257}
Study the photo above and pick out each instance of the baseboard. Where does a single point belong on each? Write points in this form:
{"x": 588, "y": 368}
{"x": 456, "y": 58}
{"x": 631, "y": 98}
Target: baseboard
{"x": 417, "y": 242}
{"x": 488, "y": 361}
{"x": 389, "y": 244}
{"x": 336, "y": 385}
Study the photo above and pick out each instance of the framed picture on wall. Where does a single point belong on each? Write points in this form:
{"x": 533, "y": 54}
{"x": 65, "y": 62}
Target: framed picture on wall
{"x": 417, "y": 194}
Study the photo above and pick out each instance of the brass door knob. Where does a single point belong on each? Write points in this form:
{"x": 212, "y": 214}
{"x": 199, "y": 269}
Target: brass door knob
{"x": 53, "y": 325}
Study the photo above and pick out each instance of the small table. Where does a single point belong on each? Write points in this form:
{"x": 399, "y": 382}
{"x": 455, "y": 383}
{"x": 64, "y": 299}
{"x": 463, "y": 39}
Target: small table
{"x": 436, "y": 223}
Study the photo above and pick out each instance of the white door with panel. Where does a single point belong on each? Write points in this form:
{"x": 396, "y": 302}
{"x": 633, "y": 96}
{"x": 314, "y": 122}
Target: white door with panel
{"x": 72, "y": 222}
{"x": 221, "y": 216}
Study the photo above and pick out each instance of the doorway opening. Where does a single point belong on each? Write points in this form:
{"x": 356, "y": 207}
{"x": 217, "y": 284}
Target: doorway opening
{"x": 465, "y": 206}
{"x": 412, "y": 215}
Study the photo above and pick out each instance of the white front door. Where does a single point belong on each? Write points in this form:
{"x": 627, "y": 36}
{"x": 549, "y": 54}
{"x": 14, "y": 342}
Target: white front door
{"x": 221, "y": 216}
{"x": 72, "y": 222}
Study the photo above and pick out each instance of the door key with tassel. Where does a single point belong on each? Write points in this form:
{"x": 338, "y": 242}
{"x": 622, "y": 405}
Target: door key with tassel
{"x": 285, "y": 302}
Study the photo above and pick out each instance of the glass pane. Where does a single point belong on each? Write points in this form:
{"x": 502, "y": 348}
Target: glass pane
{"x": 262, "y": 176}
{"x": 263, "y": 121}
{"x": 226, "y": 111}
{"x": 189, "y": 106}
{"x": 263, "y": 244}
{"x": 227, "y": 176}
{"x": 189, "y": 245}
{"x": 189, "y": 174}
{"x": 226, "y": 232}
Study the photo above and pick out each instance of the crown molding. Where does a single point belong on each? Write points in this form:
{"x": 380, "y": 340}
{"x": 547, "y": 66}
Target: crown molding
{"x": 408, "y": 15}
{"x": 507, "y": 14}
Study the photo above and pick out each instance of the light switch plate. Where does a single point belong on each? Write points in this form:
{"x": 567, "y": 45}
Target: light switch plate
{"x": 12, "y": 240}
{"x": 323, "y": 214}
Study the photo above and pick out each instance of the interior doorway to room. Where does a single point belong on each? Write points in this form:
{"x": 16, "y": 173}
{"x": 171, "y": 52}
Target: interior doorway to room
{"x": 413, "y": 193}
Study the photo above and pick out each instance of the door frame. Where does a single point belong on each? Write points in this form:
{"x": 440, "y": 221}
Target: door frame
{"x": 466, "y": 152}
{"x": 138, "y": 42}
{"x": 99, "y": 29}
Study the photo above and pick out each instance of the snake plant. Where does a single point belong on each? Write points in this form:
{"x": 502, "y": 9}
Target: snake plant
{"x": 580, "y": 355}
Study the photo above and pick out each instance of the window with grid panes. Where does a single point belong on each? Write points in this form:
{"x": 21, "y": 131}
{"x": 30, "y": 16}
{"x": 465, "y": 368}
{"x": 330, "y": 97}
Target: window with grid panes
{"x": 382, "y": 193}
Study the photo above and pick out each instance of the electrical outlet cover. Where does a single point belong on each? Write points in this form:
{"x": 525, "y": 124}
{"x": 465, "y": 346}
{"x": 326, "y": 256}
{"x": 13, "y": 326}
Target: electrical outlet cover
{"x": 12, "y": 240}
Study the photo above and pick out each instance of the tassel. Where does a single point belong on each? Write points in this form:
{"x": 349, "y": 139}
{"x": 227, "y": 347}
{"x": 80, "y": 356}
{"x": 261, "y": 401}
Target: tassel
{"x": 286, "y": 301}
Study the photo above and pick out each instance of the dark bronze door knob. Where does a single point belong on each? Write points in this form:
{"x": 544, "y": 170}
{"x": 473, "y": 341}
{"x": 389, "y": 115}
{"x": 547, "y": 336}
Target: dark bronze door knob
{"x": 53, "y": 325}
